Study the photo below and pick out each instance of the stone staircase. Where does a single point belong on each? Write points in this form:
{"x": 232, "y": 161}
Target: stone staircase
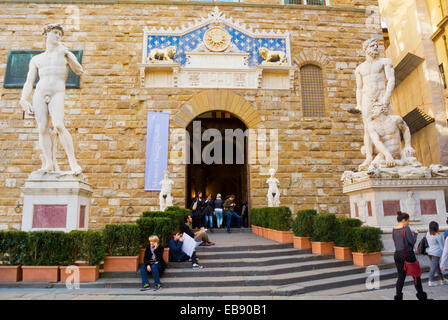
{"x": 242, "y": 264}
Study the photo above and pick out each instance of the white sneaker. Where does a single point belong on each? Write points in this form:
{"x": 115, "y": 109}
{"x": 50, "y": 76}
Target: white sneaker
{"x": 197, "y": 266}
{"x": 432, "y": 284}
{"x": 444, "y": 281}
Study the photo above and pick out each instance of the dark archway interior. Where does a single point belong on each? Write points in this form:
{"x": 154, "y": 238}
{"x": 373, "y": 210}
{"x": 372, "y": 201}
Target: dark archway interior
{"x": 222, "y": 178}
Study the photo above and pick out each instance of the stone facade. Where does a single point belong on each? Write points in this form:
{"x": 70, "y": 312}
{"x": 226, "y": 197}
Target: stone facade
{"x": 107, "y": 115}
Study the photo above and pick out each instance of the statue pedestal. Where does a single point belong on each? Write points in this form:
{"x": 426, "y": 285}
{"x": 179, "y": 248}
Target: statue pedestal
{"x": 56, "y": 201}
{"x": 376, "y": 201}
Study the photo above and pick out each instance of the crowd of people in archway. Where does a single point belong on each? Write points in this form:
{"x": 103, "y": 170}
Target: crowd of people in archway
{"x": 209, "y": 212}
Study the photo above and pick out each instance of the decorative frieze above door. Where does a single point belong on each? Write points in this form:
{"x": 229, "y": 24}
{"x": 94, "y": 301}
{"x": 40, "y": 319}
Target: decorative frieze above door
{"x": 216, "y": 52}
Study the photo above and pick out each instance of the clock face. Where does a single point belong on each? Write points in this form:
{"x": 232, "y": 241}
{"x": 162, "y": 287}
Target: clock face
{"x": 217, "y": 39}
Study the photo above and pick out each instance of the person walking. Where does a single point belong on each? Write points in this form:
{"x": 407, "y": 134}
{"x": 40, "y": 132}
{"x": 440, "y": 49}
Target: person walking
{"x": 196, "y": 211}
{"x": 208, "y": 211}
{"x": 152, "y": 263}
{"x": 404, "y": 239}
{"x": 218, "y": 204}
{"x": 229, "y": 207}
{"x": 445, "y": 234}
{"x": 444, "y": 258}
{"x": 434, "y": 251}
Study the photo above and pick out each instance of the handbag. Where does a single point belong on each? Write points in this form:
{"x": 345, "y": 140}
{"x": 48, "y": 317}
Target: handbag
{"x": 195, "y": 206}
{"x": 411, "y": 268}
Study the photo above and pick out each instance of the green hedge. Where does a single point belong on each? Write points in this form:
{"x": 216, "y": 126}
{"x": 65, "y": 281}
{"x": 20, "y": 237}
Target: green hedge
{"x": 277, "y": 218}
{"x": 324, "y": 228}
{"x": 176, "y": 215}
{"x": 344, "y": 236}
{"x": 302, "y": 225}
{"x": 12, "y": 247}
{"x": 366, "y": 239}
{"x": 121, "y": 239}
{"x": 88, "y": 246}
{"x": 180, "y": 214}
{"x": 161, "y": 227}
{"x": 48, "y": 248}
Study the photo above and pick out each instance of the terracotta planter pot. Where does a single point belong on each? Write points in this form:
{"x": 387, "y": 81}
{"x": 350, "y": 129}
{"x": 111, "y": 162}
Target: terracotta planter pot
{"x": 254, "y": 229}
{"x": 141, "y": 255}
{"x": 86, "y": 273}
{"x": 264, "y": 232}
{"x": 121, "y": 264}
{"x": 283, "y": 236}
{"x": 10, "y": 273}
{"x": 342, "y": 253}
{"x": 322, "y": 247}
{"x": 366, "y": 259}
{"x": 40, "y": 273}
{"x": 301, "y": 242}
{"x": 272, "y": 234}
{"x": 166, "y": 255}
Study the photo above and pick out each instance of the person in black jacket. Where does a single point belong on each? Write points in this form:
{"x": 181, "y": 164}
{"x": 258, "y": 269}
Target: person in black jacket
{"x": 398, "y": 232}
{"x": 197, "y": 211}
{"x": 209, "y": 211}
{"x": 152, "y": 263}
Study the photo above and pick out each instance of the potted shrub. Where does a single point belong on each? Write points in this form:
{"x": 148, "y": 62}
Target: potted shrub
{"x": 179, "y": 213}
{"x": 12, "y": 247}
{"x": 88, "y": 251}
{"x": 367, "y": 246}
{"x": 161, "y": 227}
{"x": 344, "y": 237}
{"x": 280, "y": 224}
{"x": 254, "y": 220}
{"x": 122, "y": 243}
{"x": 323, "y": 234}
{"x": 44, "y": 252}
{"x": 264, "y": 223}
{"x": 302, "y": 228}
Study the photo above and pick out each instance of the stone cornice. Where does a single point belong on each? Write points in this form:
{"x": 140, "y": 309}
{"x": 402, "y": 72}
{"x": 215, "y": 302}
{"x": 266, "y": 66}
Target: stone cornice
{"x": 372, "y": 183}
{"x": 440, "y": 28}
{"x": 197, "y": 3}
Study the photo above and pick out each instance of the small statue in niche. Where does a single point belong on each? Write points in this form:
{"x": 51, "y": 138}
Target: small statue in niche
{"x": 165, "y": 198}
{"x": 273, "y": 191}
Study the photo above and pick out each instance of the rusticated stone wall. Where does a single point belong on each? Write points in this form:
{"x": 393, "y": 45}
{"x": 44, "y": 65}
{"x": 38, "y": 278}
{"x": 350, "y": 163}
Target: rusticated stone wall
{"x": 107, "y": 115}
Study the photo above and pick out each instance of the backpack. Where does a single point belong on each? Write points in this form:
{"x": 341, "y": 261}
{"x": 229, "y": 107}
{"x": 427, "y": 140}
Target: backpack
{"x": 421, "y": 249}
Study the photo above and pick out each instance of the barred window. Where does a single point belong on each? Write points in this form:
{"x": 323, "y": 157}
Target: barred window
{"x": 313, "y": 101}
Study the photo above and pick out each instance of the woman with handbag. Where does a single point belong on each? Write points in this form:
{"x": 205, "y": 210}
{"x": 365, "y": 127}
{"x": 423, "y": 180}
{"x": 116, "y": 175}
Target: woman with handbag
{"x": 196, "y": 211}
{"x": 405, "y": 260}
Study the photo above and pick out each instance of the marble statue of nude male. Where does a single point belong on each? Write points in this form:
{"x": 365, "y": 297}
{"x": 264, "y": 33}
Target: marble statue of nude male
{"x": 48, "y": 98}
{"x": 375, "y": 80}
{"x": 384, "y": 130}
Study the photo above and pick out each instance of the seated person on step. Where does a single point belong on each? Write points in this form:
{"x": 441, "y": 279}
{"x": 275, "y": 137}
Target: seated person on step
{"x": 176, "y": 253}
{"x": 152, "y": 263}
{"x": 198, "y": 236}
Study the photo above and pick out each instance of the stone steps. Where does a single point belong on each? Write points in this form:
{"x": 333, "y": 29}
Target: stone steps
{"x": 246, "y": 266}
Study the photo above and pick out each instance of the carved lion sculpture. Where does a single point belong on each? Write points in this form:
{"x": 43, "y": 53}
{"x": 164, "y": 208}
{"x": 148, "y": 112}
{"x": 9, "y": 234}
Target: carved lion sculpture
{"x": 158, "y": 55}
{"x": 272, "y": 57}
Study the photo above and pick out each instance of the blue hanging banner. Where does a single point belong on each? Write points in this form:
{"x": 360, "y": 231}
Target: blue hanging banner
{"x": 156, "y": 149}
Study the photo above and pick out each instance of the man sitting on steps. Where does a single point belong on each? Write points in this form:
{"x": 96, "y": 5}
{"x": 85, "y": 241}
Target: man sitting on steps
{"x": 198, "y": 236}
{"x": 176, "y": 253}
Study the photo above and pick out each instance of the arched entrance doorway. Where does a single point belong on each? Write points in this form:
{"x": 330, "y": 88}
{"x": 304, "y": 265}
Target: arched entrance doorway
{"x": 220, "y": 164}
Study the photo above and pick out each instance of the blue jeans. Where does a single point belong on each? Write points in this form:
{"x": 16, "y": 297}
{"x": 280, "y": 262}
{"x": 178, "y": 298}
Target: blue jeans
{"x": 155, "y": 270}
{"x": 218, "y": 213}
{"x": 434, "y": 268}
{"x": 207, "y": 219}
{"x": 229, "y": 215}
